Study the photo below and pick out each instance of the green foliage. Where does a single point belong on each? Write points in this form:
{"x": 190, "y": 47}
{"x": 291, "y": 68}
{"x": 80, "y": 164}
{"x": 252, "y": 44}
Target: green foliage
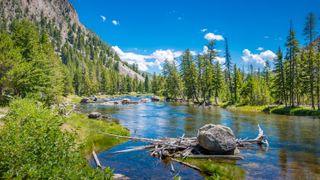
{"x": 88, "y": 132}
{"x": 31, "y": 68}
{"x": 34, "y": 147}
{"x": 296, "y": 111}
{"x": 218, "y": 170}
{"x": 173, "y": 88}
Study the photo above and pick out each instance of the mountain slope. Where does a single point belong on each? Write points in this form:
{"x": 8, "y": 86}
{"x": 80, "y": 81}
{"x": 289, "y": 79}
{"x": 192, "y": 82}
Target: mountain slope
{"x": 61, "y": 21}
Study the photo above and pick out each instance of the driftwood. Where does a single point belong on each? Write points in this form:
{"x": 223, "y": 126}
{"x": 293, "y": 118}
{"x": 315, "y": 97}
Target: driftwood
{"x": 95, "y": 157}
{"x": 184, "y": 147}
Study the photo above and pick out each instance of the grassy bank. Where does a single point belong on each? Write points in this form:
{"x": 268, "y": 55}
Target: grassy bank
{"x": 217, "y": 170}
{"x": 295, "y": 111}
{"x": 282, "y": 110}
{"x": 247, "y": 108}
{"x": 88, "y": 132}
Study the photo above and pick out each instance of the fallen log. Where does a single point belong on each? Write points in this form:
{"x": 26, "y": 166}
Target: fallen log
{"x": 183, "y": 147}
{"x": 186, "y": 164}
{"x": 135, "y": 149}
{"x": 95, "y": 157}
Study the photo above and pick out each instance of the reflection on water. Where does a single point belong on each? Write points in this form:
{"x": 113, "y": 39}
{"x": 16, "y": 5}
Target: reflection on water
{"x": 294, "y": 151}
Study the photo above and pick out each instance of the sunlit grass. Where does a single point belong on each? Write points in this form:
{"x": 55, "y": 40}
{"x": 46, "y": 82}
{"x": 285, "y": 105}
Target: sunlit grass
{"x": 89, "y": 132}
{"x": 218, "y": 170}
{"x": 296, "y": 111}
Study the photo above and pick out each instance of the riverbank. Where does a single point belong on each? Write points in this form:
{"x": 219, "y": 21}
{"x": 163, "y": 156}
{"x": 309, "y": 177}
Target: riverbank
{"x": 88, "y": 133}
{"x": 274, "y": 109}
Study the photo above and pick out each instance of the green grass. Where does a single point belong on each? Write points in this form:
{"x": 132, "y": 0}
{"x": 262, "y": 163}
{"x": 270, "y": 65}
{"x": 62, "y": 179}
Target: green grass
{"x": 246, "y": 108}
{"x": 88, "y": 132}
{"x": 295, "y": 111}
{"x": 218, "y": 170}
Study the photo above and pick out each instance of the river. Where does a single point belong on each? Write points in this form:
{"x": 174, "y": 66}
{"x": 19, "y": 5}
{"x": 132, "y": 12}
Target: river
{"x": 294, "y": 151}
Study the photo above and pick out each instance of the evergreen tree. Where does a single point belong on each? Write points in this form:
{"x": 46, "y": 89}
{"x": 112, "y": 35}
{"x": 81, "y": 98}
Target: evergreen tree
{"x": 279, "y": 79}
{"x": 228, "y": 69}
{"x": 292, "y": 45}
{"x": 310, "y": 34}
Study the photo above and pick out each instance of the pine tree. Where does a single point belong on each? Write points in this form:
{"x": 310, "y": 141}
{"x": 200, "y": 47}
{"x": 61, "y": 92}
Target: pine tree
{"x": 188, "y": 73}
{"x": 310, "y": 34}
{"x": 217, "y": 81}
{"x": 279, "y": 79}
{"x": 146, "y": 84}
{"x": 228, "y": 69}
{"x": 292, "y": 45}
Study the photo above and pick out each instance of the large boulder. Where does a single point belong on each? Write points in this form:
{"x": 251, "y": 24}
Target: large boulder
{"x": 217, "y": 139}
{"x": 94, "y": 115}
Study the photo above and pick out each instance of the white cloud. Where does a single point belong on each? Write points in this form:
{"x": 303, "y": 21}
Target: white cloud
{"x": 156, "y": 59}
{"x": 205, "y": 50}
{"x": 193, "y": 53}
{"x": 221, "y": 60}
{"x": 132, "y": 58}
{"x": 103, "y": 18}
{"x": 161, "y": 56}
{"x": 115, "y": 22}
{"x": 204, "y": 30}
{"x": 212, "y": 36}
{"x": 260, "y": 58}
{"x": 260, "y": 49}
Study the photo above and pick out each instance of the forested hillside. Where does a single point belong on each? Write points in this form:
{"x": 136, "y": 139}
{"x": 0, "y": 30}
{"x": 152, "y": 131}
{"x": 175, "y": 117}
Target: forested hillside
{"x": 87, "y": 65}
{"x": 292, "y": 79}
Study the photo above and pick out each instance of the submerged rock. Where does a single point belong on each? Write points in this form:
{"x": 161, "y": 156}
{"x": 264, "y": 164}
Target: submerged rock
{"x": 120, "y": 177}
{"x": 217, "y": 139}
{"x": 94, "y": 115}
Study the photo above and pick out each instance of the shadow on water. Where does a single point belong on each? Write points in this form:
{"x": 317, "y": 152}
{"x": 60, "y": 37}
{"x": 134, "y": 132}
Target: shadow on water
{"x": 294, "y": 152}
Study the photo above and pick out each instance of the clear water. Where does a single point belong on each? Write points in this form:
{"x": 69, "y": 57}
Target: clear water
{"x": 294, "y": 151}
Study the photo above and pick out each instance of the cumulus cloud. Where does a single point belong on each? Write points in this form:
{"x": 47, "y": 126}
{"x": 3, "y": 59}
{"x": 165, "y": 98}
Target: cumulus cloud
{"x": 204, "y": 30}
{"x": 212, "y": 36}
{"x": 115, "y": 22}
{"x": 221, "y": 60}
{"x": 161, "y": 56}
{"x": 133, "y": 58}
{"x": 260, "y": 49}
{"x": 103, "y": 18}
{"x": 155, "y": 59}
{"x": 261, "y": 58}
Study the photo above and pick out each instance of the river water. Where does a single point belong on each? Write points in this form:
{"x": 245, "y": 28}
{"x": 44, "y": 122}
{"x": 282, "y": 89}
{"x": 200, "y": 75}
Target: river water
{"x": 294, "y": 151}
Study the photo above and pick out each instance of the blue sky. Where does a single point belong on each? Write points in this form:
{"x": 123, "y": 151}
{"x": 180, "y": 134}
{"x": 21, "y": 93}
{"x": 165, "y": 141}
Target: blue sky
{"x": 148, "y": 31}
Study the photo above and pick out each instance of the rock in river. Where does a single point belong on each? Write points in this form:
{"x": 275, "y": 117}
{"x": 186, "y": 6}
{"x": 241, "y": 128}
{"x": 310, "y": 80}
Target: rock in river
{"x": 155, "y": 99}
{"x": 217, "y": 139}
{"x": 94, "y": 115}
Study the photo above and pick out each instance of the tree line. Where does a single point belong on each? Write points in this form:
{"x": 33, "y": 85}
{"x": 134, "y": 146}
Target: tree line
{"x": 291, "y": 79}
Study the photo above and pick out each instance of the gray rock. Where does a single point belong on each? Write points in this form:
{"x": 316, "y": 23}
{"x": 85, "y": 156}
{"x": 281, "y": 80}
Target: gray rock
{"x": 120, "y": 177}
{"x": 94, "y": 115}
{"x": 106, "y": 116}
{"x": 85, "y": 100}
{"x": 217, "y": 139}
{"x": 155, "y": 99}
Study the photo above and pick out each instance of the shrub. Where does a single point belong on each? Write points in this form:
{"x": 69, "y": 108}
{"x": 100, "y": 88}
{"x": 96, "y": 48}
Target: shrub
{"x": 34, "y": 147}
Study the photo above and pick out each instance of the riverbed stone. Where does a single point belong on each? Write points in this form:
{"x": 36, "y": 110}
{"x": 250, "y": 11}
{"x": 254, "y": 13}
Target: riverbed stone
{"x": 217, "y": 139}
{"x": 155, "y": 99}
{"x": 94, "y": 115}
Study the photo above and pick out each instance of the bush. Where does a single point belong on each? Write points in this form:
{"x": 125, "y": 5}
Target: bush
{"x": 295, "y": 111}
{"x": 34, "y": 147}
